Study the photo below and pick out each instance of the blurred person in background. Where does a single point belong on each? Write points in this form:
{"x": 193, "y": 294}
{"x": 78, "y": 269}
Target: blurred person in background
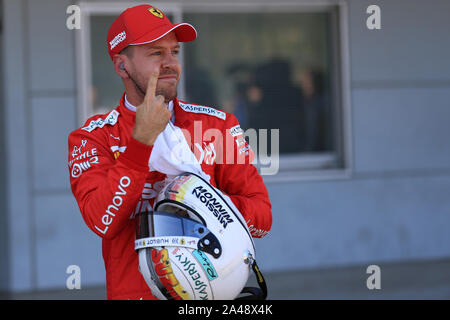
{"x": 314, "y": 110}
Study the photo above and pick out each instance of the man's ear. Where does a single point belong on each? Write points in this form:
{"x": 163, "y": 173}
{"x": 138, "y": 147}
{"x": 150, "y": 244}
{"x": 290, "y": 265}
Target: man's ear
{"x": 120, "y": 66}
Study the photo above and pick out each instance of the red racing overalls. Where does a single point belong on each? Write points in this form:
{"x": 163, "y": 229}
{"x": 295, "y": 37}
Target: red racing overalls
{"x": 111, "y": 181}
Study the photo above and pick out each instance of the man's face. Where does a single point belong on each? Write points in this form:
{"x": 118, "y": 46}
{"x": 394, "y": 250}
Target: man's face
{"x": 162, "y": 56}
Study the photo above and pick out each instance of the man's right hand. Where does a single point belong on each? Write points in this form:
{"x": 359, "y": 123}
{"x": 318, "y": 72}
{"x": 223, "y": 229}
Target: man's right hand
{"x": 152, "y": 115}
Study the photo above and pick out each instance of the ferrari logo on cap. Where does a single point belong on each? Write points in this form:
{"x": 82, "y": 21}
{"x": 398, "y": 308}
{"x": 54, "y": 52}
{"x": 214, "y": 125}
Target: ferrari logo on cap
{"x": 156, "y": 12}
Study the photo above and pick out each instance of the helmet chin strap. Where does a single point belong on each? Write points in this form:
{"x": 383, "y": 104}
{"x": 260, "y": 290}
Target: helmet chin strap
{"x": 255, "y": 293}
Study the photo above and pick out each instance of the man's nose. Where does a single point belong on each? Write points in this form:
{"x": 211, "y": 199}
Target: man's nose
{"x": 169, "y": 60}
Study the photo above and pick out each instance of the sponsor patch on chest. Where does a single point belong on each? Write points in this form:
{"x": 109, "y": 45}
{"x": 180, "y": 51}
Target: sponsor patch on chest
{"x": 202, "y": 109}
{"x": 110, "y": 119}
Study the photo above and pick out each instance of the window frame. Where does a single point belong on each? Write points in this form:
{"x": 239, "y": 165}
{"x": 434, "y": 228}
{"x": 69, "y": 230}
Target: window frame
{"x": 332, "y": 165}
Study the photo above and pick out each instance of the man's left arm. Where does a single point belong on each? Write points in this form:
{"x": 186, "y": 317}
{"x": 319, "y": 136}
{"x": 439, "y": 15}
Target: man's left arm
{"x": 240, "y": 180}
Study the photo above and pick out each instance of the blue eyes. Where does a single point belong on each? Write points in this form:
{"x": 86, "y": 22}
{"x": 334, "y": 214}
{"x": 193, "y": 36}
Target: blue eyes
{"x": 159, "y": 53}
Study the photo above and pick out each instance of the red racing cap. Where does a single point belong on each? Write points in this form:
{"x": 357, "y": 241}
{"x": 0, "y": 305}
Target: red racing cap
{"x": 144, "y": 24}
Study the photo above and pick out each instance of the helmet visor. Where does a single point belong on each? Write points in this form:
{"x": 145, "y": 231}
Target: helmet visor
{"x": 165, "y": 229}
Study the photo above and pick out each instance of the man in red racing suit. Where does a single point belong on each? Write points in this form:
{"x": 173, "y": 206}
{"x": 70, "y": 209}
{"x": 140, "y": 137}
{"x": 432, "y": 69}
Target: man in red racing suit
{"x": 112, "y": 182}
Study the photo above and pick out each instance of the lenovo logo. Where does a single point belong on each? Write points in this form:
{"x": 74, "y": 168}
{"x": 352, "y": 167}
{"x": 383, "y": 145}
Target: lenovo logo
{"x": 115, "y": 205}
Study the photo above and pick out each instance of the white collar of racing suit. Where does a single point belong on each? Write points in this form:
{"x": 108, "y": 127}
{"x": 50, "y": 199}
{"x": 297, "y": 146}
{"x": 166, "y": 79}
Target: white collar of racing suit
{"x": 130, "y": 107}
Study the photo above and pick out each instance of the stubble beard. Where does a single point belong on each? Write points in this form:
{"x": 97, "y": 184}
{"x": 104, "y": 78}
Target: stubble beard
{"x": 169, "y": 92}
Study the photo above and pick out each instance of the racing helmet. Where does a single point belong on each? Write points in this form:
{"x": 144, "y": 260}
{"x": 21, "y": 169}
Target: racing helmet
{"x": 196, "y": 245}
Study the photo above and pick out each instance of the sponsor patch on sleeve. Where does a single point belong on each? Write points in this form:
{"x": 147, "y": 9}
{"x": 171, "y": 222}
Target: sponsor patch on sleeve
{"x": 110, "y": 119}
{"x": 83, "y": 162}
{"x": 202, "y": 109}
{"x": 257, "y": 233}
{"x": 236, "y": 131}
